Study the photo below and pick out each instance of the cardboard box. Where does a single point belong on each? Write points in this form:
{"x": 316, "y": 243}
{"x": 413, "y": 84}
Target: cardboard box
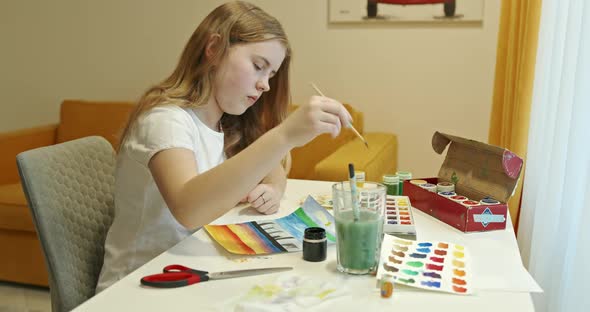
{"x": 478, "y": 170}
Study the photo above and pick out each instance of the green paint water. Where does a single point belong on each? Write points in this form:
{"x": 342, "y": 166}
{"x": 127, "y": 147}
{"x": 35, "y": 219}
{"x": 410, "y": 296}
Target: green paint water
{"x": 358, "y": 243}
{"x": 416, "y": 264}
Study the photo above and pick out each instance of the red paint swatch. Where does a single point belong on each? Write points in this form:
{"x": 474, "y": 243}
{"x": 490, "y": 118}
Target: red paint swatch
{"x": 459, "y": 289}
{"x": 434, "y": 267}
{"x": 439, "y": 252}
{"x": 437, "y": 259}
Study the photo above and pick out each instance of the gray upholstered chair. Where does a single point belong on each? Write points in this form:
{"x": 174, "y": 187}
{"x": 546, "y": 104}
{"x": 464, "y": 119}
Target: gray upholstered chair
{"x": 69, "y": 188}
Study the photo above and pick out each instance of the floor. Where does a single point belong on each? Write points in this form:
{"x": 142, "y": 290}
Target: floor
{"x": 23, "y": 298}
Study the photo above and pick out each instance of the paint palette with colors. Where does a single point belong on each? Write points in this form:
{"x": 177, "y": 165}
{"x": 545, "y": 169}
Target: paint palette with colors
{"x": 398, "y": 218}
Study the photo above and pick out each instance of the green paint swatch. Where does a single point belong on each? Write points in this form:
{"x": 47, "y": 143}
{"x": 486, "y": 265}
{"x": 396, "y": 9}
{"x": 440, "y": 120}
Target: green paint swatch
{"x": 416, "y": 264}
{"x": 410, "y": 272}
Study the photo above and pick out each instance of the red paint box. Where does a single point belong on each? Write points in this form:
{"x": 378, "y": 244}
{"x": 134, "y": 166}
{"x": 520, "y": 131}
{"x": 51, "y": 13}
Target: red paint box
{"x": 478, "y": 170}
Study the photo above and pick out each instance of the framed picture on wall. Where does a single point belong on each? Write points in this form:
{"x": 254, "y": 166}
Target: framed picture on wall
{"x": 400, "y": 11}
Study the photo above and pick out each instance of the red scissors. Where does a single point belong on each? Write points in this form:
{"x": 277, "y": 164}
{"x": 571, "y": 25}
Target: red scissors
{"x": 176, "y": 275}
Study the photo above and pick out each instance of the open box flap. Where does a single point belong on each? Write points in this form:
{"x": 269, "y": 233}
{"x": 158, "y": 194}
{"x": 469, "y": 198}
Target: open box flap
{"x": 477, "y": 169}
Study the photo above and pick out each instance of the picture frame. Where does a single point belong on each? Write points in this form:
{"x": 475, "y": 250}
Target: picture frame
{"x": 406, "y": 11}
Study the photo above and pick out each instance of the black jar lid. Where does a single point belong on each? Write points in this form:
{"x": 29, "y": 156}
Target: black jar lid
{"x": 315, "y": 233}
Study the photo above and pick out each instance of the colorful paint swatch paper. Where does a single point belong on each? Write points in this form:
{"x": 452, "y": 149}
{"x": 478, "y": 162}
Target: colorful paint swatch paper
{"x": 274, "y": 236}
{"x": 438, "y": 266}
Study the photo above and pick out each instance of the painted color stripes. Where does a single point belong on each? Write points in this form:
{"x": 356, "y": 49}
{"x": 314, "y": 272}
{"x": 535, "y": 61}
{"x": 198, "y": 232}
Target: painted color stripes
{"x": 274, "y": 236}
{"x": 229, "y": 240}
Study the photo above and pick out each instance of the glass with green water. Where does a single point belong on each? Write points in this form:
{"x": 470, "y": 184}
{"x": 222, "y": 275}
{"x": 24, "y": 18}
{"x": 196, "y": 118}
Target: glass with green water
{"x": 358, "y": 242}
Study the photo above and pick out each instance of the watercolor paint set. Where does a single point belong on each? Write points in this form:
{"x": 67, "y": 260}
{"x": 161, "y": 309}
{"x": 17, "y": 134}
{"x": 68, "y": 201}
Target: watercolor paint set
{"x": 398, "y": 219}
{"x": 478, "y": 171}
{"x": 438, "y": 266}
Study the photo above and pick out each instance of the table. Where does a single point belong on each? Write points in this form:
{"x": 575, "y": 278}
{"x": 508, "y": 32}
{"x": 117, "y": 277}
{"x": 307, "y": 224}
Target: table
{"x": 497, "y": 249}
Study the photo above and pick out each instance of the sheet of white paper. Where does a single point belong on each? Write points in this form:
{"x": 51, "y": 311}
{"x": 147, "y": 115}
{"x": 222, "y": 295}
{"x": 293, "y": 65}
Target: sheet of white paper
{"x": 289, "y": 292}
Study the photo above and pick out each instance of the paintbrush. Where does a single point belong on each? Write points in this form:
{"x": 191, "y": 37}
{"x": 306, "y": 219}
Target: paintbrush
{"x": 351, "y": 126}
{"x": 353, "y": 192}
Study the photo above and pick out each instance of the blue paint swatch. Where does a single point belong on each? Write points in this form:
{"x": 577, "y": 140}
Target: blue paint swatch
{"x": 425, "y": 244}
{"x": 431, "y": 284}
{"x": 431, "y": 274}
{"x": 417, "y": 255}
{"x": 424, "y": 250}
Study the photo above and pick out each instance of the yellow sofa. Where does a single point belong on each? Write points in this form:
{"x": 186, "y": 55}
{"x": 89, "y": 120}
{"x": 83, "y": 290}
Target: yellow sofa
{"x": 323, "y": 159}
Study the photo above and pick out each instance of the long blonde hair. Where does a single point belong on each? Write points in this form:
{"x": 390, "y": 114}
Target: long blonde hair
{"x": 191, "y": 83}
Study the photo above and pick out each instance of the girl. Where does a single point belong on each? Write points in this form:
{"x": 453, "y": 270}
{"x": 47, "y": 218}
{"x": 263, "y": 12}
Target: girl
{"x": 212, "y": 133}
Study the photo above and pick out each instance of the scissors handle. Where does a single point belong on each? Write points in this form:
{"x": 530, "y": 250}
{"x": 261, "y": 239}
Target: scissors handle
{"x": 173, "y": 279}
{"x": 181, "y": 268}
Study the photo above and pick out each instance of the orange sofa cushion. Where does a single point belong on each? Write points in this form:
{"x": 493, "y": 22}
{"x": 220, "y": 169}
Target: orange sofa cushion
{"x": 17, "y": 141}
{"x": 80, "y": 119}
{"x": 14, "y": 214}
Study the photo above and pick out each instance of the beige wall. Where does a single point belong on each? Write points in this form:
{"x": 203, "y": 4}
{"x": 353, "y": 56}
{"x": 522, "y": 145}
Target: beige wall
{"x": 408, "y": 79}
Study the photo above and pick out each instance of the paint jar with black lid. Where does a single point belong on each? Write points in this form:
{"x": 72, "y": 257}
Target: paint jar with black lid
{"x": 314, "y": 244}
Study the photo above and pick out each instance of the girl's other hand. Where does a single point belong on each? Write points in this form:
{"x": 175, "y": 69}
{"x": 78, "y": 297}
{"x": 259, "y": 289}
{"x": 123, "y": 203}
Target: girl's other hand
{"x": 320, "y": 115}
{"x": 265, "y": 198}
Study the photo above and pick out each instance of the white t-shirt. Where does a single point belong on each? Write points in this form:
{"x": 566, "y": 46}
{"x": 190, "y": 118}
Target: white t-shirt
{"x": 143, "y": 226}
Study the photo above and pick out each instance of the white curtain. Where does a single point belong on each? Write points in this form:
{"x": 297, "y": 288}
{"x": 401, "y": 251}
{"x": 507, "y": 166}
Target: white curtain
{"x": 554, "y": 229}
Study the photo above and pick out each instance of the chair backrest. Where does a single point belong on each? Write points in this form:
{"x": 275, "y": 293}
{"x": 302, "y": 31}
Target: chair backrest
{"x": 69, "y": 189}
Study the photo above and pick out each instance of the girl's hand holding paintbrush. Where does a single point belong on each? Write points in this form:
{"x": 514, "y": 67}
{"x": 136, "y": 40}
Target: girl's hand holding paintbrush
{"x": 320, "y": 115}
{"x": 348, "y": 125}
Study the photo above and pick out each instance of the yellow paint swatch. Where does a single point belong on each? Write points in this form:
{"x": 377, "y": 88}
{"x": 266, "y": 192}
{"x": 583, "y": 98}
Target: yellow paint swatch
{"x": 403, "y": 242}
